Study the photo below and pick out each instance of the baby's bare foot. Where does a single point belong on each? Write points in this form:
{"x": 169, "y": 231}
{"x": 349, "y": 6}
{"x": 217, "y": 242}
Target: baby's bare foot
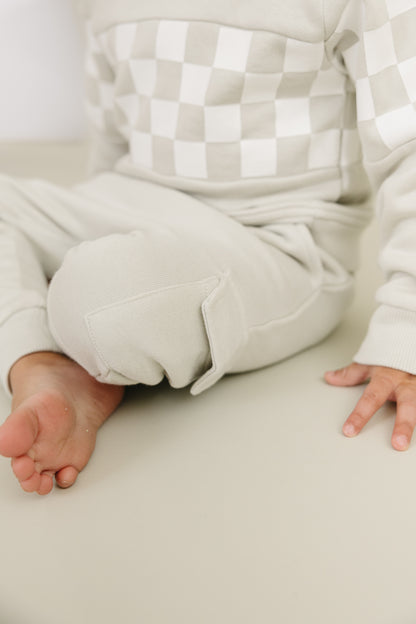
{"x": 57, "y": 410}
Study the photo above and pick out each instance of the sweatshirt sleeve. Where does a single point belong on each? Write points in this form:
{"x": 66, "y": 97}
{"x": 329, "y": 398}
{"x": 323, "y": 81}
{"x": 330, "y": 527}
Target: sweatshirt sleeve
{"x": 376, "y": 44}
{"x": 107, "y": 144}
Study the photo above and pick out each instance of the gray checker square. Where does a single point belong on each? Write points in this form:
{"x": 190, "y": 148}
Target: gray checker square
{"x": 326, "y": 112}
{"x": 168, "y": 80}
{"x": 388, "y": 91}
{"x": 144, "y": 45}
{"x": 163, "y": 155}
{"x": 143, "y": 122}
{"x": 376, "y": 15}
{"x": 260, "y": 87}
{"x": 296, "y": 84}
{"x": 201, "y": 43}
{"x": 223, "y": 161}
{"x": 191, "y": 123}
{"x": 404, "y": 34}
{"x": 350, "y": 112}
{"x": 292, "y": 154}
{"x": 258, "y": 121}
{"x": 267, "y": 53}
{"x": 105, "y": 72}
{"x": 224, "y": 87}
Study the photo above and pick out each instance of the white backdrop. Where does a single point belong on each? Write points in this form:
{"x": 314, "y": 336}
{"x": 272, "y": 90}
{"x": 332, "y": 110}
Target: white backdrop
{"x": 41, "y": 70}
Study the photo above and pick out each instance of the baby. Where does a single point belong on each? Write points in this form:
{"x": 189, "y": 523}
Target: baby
{"x": 236, "y": 148}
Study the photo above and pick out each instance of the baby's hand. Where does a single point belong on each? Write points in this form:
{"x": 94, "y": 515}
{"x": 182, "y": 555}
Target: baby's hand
{"x": 386, "y": 384}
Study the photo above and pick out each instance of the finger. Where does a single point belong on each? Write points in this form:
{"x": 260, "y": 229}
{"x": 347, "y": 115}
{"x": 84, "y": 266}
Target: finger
{"x": 373, "y": 397}
{"x": 405, "y": 418}
{"x": 351, "y": 375}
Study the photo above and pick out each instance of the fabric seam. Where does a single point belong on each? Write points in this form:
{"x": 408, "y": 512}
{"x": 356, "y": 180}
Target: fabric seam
{"x": 98, "y": 33}
{"x": 90, "y": 315}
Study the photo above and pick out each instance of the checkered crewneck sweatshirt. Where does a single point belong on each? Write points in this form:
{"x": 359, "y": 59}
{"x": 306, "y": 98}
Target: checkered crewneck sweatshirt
{"x": 277, "y": 112}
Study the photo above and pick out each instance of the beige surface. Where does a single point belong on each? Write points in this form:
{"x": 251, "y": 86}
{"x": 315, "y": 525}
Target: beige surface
{"x": 245, "y": 505}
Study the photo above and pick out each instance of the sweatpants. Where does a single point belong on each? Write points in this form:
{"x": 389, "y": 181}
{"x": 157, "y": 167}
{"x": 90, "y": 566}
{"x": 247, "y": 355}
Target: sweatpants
{"x": 137, "y": 282}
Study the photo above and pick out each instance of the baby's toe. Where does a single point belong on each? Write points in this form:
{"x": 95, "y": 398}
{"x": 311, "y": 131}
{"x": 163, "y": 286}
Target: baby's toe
{"x": 46, "y": 484}
{"x": 23, "y": 467}
{"x": 66, "y": 476}
{"x": 32, "y": 484}
{"x": 18, "y": 432}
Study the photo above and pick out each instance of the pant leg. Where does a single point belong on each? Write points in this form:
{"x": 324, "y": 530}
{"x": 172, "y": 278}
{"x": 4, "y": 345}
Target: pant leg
{"x": 39, "y": 223}
{"x": 189, "y": 293}
{"x": 35, "y": 233}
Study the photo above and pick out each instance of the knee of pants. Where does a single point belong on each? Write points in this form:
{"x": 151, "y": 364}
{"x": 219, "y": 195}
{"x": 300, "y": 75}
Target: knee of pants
{"x": 122, "y": 311}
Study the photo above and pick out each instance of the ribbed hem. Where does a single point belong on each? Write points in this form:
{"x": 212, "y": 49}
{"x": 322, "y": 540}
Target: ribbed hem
{"x": 23, "y": 333}
{"x": 390, "y": 340}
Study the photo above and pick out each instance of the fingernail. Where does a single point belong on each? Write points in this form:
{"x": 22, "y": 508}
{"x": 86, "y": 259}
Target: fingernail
{"x": 340, "y": 372}
{"x": 401, "y": 442}
{"x": 349, "y": 430}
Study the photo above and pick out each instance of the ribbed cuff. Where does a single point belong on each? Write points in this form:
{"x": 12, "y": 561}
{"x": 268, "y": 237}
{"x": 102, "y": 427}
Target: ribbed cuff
{"x": 390, "y": 340}
{"x": 23, "y": 333}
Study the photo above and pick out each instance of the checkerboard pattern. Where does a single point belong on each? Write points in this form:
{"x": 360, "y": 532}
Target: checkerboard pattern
{"x": 382, "y": 63}
{"x": 205, "y": 101}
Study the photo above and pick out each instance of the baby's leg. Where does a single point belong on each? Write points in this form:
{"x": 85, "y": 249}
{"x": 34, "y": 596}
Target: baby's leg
{"x": 177, "y": 290}
{"x": 57, "y": 406}
{"x": 191, "y": 294}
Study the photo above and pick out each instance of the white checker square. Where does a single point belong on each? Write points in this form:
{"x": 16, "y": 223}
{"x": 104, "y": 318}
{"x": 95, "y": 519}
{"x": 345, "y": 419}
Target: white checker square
{"x": 194, "y": 84}
{"x": 379, "y": 49}
{"x": 233, "y": 46}
{"x": 124, "y": 39}
{"x": 258, "y": 158}
{"x": 190, "y": 159}
{"x": 301, "y": 56}
{"x": 407, "y": 71}
{"x": 365, "y": 102}
{"x": 144, "y": 73}
{"x": 397, "y": 127}
{"x": 222, "y": 123}
{"x": 164, "y": 118}
{"x": 324, "y": 149}
{"x": 292, "y": 117}
{"x": 328, "y": 82}
{"x": 171, "y": 40}
{"x": 396, "y": 7}
{"x": 141, "y": 149}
